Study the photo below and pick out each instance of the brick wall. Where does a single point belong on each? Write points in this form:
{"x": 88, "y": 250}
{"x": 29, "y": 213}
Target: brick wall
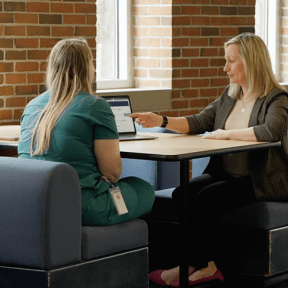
{"x": 177, "y": 44}
{"x": 195, "y": 42}
{"x": 28, "y": 30}
{"x": 153, "y": 43}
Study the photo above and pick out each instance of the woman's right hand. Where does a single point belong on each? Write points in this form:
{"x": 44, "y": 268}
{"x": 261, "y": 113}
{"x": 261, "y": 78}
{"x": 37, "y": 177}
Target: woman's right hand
{"x": 148, "y": 119}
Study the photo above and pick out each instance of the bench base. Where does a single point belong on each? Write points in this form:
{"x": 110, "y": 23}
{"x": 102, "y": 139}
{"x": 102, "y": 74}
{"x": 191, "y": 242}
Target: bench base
{"x": 129, "y": 270}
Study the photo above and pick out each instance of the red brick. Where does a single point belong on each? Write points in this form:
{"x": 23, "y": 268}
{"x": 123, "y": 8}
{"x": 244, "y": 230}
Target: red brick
{"x": 26, "y": 90}
{"x": 190, "y": 93}
{"x": 14, "y": 6}
{"x": 62, "y": 8}
{"x": 85, "y": 8}
{"x": 228, "y": 31}
{"x": 200, "y": 82}
{"x": 6, "y": 90}
{"x": 200, "y": 20}
{"x": 6, "y": 18}
{"x": 180, "y": 62}
{"x": 219, "y": 21}
{"x": 87, "y": 31}
{"x": 180, "y": 104}
{"x": 219, "y": 2}
{"x": 38, "y": 54}
{"x": 180, "y": 83}
{"x": 209, "y": 72}
{"x": 91, "y": 19}
{"x": 6, "y": 67}
{"x": 217, "y": 62}
{"x": 199, "y": 42}
{"x": 190, "y": 10}
{"x": 38, "y": 30}
{"x": 27, "y": 66}
{"x": 6, "y": 43}
{"x": 180, "y": 42}
{"x": 16, "y": 102}
{"x": 181, "y": 20}
{"x": 1, "y": 78}
{"x": 26, "y": 18}
{"x": 176, "y": 94}
{"x": 26, "y": 43}
{"x": 190, "y": 52}
{"x": 201, "y": 62}
{"x": 36, "y": 78}
{"x": 37, "y": 6}
{"x": 219, "y": 82}
{"x": 206, "y": 52}
{"x": 190, "y": 72}
{"x": 74, "y": 19}
{"x": 210, "y": 10}
{"x": 48, "y": 42}
{"x": 208, "y": 92}
{"x": 15, "y": 78}
{"x": 62, "y": 31}
{"x": 5, "y": 114}
{"x": 191, "y": 31}
{"x": 237, "y": 20}
{"x": 14, "y": 30}
{"x": 15, "y": 55}
{"x": 50, "y": 19}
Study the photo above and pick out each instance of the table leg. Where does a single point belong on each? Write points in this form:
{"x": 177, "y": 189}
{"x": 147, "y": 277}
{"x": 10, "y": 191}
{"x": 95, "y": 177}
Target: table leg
{"x": 184, "y": 223}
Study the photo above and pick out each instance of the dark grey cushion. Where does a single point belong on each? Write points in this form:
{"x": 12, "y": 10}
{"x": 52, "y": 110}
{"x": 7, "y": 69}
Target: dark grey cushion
{"x": 261, "y": 215}
{"x": 40, "y": 213}
{"x": 105, "y": 240}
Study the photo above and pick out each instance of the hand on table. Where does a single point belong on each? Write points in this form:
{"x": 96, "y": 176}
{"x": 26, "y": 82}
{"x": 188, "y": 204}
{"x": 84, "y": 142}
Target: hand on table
{"x": 219, "y": 134}
{"x": 148, "y": 119}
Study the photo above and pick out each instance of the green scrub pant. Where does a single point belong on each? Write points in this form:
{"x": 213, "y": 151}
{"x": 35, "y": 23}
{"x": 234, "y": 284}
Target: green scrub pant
{"x": 138, "y": 195}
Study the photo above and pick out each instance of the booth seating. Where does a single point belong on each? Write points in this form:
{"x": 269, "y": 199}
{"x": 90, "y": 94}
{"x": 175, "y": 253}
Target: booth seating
{"x": 43, "y": 243}
{"x": 255, "y": 236}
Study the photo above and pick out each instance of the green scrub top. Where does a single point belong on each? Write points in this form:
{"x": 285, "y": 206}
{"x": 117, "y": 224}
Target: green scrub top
{"x": 87, "y": 118}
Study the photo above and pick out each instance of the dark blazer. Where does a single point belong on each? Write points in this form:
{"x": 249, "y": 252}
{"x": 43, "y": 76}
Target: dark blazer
{"x": 268, "y": 167}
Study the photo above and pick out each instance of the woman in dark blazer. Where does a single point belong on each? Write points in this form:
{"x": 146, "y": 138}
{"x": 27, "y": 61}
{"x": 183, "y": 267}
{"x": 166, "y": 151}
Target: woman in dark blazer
{"x": 254, "y": 107}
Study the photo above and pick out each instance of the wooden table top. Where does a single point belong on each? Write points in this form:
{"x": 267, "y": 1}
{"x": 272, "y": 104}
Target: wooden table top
{"x": 175, "y": 147}
{"x": 168, "y": 146}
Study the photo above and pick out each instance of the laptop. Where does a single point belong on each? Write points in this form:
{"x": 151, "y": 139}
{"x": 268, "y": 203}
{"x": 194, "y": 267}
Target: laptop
{"x": 121, "y": 107}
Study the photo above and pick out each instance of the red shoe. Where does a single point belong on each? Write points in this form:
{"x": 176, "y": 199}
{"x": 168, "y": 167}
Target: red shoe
{"x": 218, "y": 275}
{"x": 155, "y": 277}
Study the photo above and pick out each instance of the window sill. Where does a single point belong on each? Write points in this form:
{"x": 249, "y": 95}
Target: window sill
{"x": 143, "y": 99}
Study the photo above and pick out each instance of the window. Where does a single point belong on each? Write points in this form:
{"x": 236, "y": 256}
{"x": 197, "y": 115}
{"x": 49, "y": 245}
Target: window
{"x": 114, "y": 50}
{"x": 267, "y": 26}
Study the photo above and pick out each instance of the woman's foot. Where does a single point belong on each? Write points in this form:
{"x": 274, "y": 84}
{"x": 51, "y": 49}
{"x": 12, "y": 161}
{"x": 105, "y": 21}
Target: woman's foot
{"x": 204, "y": 272}
{"x": 172, "y": 275}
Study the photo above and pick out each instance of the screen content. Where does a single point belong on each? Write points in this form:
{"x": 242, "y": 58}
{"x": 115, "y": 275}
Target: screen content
{"x": 121, "y": 109}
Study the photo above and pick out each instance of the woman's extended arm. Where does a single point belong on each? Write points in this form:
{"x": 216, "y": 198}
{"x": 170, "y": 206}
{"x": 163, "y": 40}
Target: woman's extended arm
{"x": 150, "y": 120}
{"x": 108, "y": 157}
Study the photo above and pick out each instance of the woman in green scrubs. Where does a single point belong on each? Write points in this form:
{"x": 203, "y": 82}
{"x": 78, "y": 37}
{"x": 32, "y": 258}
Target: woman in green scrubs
{"x": 67, "y": 123}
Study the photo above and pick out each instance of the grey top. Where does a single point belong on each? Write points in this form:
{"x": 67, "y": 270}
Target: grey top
{"x": 268, "y": 167}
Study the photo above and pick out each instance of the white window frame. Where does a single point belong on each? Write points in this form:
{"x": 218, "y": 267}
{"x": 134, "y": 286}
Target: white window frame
{"x": 125, "y": 54}
{"x": 267, "y": 26}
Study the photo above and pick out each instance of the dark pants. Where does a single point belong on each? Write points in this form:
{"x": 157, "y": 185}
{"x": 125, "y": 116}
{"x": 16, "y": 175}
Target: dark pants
{"x": 210, "y": 197}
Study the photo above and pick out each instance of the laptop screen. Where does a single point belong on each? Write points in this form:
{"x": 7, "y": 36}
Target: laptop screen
{"x": 121, "y": 107}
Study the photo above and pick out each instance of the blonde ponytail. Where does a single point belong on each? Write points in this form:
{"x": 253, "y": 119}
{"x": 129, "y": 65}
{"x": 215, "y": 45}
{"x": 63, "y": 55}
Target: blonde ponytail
{"x": 69, "y": 72}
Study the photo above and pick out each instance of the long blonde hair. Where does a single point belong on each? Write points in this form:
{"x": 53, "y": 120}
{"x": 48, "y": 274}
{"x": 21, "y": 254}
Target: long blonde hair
{"x": 69, "y": 71}
{"x": 257, "y": 66}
